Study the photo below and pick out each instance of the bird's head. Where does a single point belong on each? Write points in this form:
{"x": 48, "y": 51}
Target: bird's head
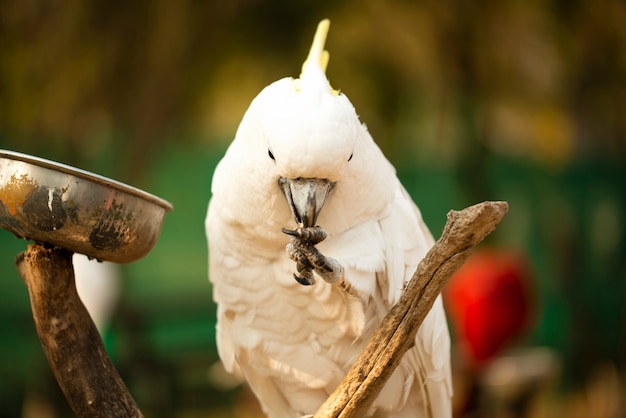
{"x": 305, "y": 138}
{"x": 305, "y": 133}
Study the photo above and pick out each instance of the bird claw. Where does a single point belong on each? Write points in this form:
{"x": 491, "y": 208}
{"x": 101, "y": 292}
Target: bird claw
{"x": 305, "y": 281}
{"x": 301, "y": 249}
{"x": 313, "y": 235}
{"x": 305, "y": 270}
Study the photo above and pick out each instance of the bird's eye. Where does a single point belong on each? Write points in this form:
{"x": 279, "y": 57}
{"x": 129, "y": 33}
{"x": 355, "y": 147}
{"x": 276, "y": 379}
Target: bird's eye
{"x": 269, "y": 152}
{"x": 350, "y": 156}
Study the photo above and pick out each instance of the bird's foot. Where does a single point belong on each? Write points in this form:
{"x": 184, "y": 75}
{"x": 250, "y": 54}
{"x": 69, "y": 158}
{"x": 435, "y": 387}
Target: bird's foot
{"x": 301, "y": 249}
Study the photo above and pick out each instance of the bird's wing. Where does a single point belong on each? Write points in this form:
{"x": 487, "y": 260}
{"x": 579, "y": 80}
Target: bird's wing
{"x": 387, "y": 251}
{"x": 408, "y": 239}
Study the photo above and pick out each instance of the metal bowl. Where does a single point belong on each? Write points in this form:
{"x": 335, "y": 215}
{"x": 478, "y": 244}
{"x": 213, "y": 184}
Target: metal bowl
{"x": 67, "y": 207}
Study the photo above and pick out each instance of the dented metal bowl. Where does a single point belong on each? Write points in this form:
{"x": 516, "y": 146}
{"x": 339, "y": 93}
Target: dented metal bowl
{"x": 67, "y": 207}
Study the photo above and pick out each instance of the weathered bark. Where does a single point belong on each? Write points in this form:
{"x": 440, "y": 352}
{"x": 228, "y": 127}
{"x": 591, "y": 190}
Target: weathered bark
{"x": 396, "y": 333}
{"x": 69, "y": 337}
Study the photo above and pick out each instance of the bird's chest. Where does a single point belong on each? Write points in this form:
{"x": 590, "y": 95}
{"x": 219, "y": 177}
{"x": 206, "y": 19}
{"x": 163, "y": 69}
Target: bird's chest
{"x": 285, "y": 312}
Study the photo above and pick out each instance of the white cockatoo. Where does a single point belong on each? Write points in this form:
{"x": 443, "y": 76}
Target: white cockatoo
{"x": 304, "y": 181}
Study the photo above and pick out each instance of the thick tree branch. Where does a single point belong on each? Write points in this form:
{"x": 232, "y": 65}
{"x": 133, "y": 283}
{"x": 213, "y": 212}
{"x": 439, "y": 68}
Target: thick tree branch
{"x": 69, "y": 337}
{"x": 396, "y": 333}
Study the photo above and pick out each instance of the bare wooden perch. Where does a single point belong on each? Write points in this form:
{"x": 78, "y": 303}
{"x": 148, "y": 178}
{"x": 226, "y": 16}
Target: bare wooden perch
{"x": 396, "y": 333}
{"x": 70, "y": 340}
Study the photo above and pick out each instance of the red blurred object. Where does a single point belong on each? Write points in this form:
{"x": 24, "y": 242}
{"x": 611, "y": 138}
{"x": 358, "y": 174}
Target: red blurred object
{"x": 489, "y": 303}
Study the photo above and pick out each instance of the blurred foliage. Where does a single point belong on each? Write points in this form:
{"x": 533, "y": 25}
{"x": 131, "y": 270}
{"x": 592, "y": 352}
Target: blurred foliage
{"x": 540, "y": 79}
{"x": 516, "y": 100}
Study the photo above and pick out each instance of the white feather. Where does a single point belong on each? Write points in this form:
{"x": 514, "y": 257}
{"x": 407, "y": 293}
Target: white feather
{"x": 294, "y": 343}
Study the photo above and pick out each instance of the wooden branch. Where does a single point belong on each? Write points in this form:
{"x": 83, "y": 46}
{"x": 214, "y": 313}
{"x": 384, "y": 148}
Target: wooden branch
{"x": 69, "y": 337}
{"x": 396, "y": 333}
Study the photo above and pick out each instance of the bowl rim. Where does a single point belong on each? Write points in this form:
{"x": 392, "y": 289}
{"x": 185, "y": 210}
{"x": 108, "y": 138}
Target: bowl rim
{"x": 85, "y": 175}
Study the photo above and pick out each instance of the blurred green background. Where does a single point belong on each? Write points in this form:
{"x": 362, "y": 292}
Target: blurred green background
{"x": 523, "y": 101}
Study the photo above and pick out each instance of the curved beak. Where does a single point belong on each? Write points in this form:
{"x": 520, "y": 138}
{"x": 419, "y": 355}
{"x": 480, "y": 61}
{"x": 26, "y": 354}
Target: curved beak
{"x": 306, "y": 198}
